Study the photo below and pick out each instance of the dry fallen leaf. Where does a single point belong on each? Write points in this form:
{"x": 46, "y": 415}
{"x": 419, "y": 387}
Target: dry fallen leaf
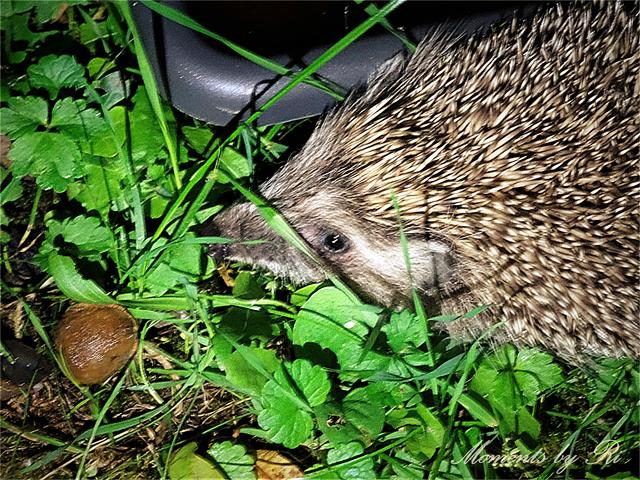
{"x": 226, "y": 275}
{"x": 272, "y": 465}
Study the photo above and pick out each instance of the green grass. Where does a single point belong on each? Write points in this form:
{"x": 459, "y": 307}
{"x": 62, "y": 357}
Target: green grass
{"x": 343, "y": 389}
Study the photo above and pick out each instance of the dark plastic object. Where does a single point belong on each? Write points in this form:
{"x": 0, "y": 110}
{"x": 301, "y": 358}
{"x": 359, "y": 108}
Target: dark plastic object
{"x": 208, "y": 81}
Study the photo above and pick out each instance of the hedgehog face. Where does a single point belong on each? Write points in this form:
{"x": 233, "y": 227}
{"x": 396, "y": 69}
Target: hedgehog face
{"x": 366, "y": 257}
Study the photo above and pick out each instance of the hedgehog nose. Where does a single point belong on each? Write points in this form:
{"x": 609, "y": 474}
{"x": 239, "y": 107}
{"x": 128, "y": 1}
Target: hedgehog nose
{"x": 219, "y": 251}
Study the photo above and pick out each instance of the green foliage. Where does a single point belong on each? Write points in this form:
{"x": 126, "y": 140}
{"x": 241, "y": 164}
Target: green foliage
{"x": 23, "y": 115}
{"x": 223, "y": 461}
{"x": 233, "y": 460}
{"x": 513, "y": 380}
{"x": 367, "y": 393}
{"x": 285, "y": 415}
{"x": 362, "y": 468}
{"x": 54, "y": 72}
{"x": 186, "y": 464}
{"x": 51, "y": 157}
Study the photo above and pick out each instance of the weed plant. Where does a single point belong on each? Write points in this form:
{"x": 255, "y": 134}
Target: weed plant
{"x": 104, "y": 190}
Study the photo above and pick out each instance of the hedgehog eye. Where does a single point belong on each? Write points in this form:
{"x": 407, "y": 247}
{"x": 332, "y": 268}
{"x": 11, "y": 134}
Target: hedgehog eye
{"x": 334, "y": 242}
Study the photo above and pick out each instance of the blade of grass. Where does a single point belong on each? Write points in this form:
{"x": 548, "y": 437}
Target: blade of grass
{"x": 32, "y": 216}
{"x": 152, "y": 92}
{"x": 127, "y": 162}
{"x": 154, "y": 255}
{"x": 181, "y": 230}
{"x": 166, "y": 302}
{"x": 417, "y": 303}
{"x": 371, "y": 9}
{"x": 34, "y": 436}
{"x": 101, "y": 415}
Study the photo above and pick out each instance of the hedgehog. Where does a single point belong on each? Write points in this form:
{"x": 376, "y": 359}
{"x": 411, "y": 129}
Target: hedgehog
{"x": 509, "y": 159}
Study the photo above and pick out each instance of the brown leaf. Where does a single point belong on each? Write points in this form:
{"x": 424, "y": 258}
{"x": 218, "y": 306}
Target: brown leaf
{"x": 272, "y": 465}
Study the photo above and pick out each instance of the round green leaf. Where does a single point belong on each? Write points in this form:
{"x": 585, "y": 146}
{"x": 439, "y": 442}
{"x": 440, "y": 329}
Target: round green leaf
{"x": 311, "y": 380}
{"x": 282, "y": 418}
{"x": 362, "y": 468}
{"x": 186, "y": 464}
{"x": 334, "y": 321}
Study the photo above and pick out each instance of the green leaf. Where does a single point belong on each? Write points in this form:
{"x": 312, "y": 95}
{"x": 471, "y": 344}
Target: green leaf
{"x": 233, "y": 460}
{"x": 87, "y": 233}
{"x": 362, "y": 468}
{"x": 18, "y": 25}
{"x": 99, "y": 65}
{"x": 431, "y": 436}
{"x": 84, "y": 125}
{"x": 363, "y": 411}
{"x": 186, "y": 464}
{"x": 540, "y": 368}
{"x": 478, "y": 408}
{"x": 71, "y": 283}
{"x": 139, "y": 127}
{"x": 334, "y": 321}
{"x": 246, "y": 323}
{"x": 11, "y": 192}
{"x": 519, "y": 422}
{"x": 282, "y": 418}
{"x": 23, "y": 115}
{"x": 198, "y": 137}
{"x": 55, "y": 72}
{"x": 333, "y": 425}
{"x": 407, "y": 467}
{"x": 11, "y": 8}
{"x": 247, "y": 287}
{"x": 404, "y": 330}
{"x": 232, "y": 162}
{"x": 511, "y": 379}
{"x": 302, "y": 294}
{"x": 4, "y": 220}
{"x": 285, "y": 415}
{"x": 243, "y": 374}
{"x": 310, "y": 379}
{"x": 101, "y": 188}
{"x": 178, "y": 262}
{"x": 52, "y": 158}
{"x": 116, "y": 89}
{"x": 610, "y": 372}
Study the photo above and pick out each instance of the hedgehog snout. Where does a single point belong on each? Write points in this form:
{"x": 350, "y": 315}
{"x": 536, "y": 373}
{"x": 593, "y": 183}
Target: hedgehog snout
{"x": 219, "y": 251}
{"x": 226, "y": 225}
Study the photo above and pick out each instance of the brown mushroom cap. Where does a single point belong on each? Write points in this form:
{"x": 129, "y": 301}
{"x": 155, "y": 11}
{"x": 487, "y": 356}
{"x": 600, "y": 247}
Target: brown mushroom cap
{"x": 96, "y": 341}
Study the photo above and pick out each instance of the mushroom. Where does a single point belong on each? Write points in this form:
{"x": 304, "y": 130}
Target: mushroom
{"x": 96, "y": 341}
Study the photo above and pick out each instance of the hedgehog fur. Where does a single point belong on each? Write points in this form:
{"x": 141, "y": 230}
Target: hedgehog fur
{"x": 514, "y": 159}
